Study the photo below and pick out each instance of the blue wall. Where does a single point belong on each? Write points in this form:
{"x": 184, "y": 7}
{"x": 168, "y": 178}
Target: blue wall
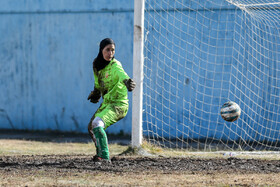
{"x": 46, "y": 53}
{"x": 47, "y": 48}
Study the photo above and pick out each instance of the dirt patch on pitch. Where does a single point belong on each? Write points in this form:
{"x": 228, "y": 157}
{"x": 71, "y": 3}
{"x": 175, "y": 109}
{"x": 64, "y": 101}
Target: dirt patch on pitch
{"x": 139, "y": 164}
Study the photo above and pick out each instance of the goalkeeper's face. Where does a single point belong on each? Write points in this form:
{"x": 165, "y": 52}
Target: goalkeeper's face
{"x": 108, "y": 52}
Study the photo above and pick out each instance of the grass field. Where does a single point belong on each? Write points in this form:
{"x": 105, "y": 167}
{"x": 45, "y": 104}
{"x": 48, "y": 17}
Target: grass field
{"x": 44, "y": 163}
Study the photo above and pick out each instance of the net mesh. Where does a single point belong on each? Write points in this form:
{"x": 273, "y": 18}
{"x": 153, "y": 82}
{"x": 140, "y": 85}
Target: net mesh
{"x": 201, "y": 54}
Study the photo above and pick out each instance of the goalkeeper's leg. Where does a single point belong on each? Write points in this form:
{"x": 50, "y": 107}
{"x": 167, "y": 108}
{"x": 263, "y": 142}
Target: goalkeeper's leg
{"x": 106, "y": 115}
{"x": 101, "y": 142}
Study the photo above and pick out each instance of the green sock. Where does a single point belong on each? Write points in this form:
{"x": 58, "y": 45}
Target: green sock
{"x": 101, "y": 142}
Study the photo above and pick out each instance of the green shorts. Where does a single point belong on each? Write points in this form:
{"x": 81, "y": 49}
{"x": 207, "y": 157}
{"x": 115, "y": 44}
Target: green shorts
{"x": 110, "y": 113}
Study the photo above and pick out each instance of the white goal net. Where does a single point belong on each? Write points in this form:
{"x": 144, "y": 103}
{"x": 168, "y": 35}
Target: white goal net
{"x": 199, "y": 54}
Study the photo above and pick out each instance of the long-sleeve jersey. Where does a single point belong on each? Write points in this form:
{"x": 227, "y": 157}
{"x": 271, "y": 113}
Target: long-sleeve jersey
{"x": 110, "y": 82}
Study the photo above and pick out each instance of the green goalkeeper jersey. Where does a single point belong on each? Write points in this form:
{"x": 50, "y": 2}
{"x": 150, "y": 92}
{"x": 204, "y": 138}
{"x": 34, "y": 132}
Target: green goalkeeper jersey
{"x": 110, "y": 82}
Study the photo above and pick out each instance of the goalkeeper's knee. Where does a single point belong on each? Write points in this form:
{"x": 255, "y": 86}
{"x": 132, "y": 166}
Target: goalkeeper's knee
{"x": 97, "y": 122}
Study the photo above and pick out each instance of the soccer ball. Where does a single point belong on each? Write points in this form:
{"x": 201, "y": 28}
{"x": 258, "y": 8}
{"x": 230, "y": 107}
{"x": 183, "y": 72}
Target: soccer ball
{"x": 230, "y": 111}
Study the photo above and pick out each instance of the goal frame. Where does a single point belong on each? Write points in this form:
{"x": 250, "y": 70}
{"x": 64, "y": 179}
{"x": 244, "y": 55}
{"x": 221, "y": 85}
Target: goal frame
{"x": 191, "y": 58}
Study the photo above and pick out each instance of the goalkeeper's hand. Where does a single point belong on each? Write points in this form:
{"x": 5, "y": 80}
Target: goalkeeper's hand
{"x": 94, "y": 96}
{"x": 130, "y": 84}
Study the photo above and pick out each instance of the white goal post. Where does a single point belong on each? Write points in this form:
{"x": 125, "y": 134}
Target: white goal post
{"x": 192, "y": 56}
{"x": 138, "y": 75}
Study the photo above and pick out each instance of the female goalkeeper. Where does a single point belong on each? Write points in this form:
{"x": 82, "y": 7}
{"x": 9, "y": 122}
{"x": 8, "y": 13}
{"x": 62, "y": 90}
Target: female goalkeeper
{"x": 111, "y": 82}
